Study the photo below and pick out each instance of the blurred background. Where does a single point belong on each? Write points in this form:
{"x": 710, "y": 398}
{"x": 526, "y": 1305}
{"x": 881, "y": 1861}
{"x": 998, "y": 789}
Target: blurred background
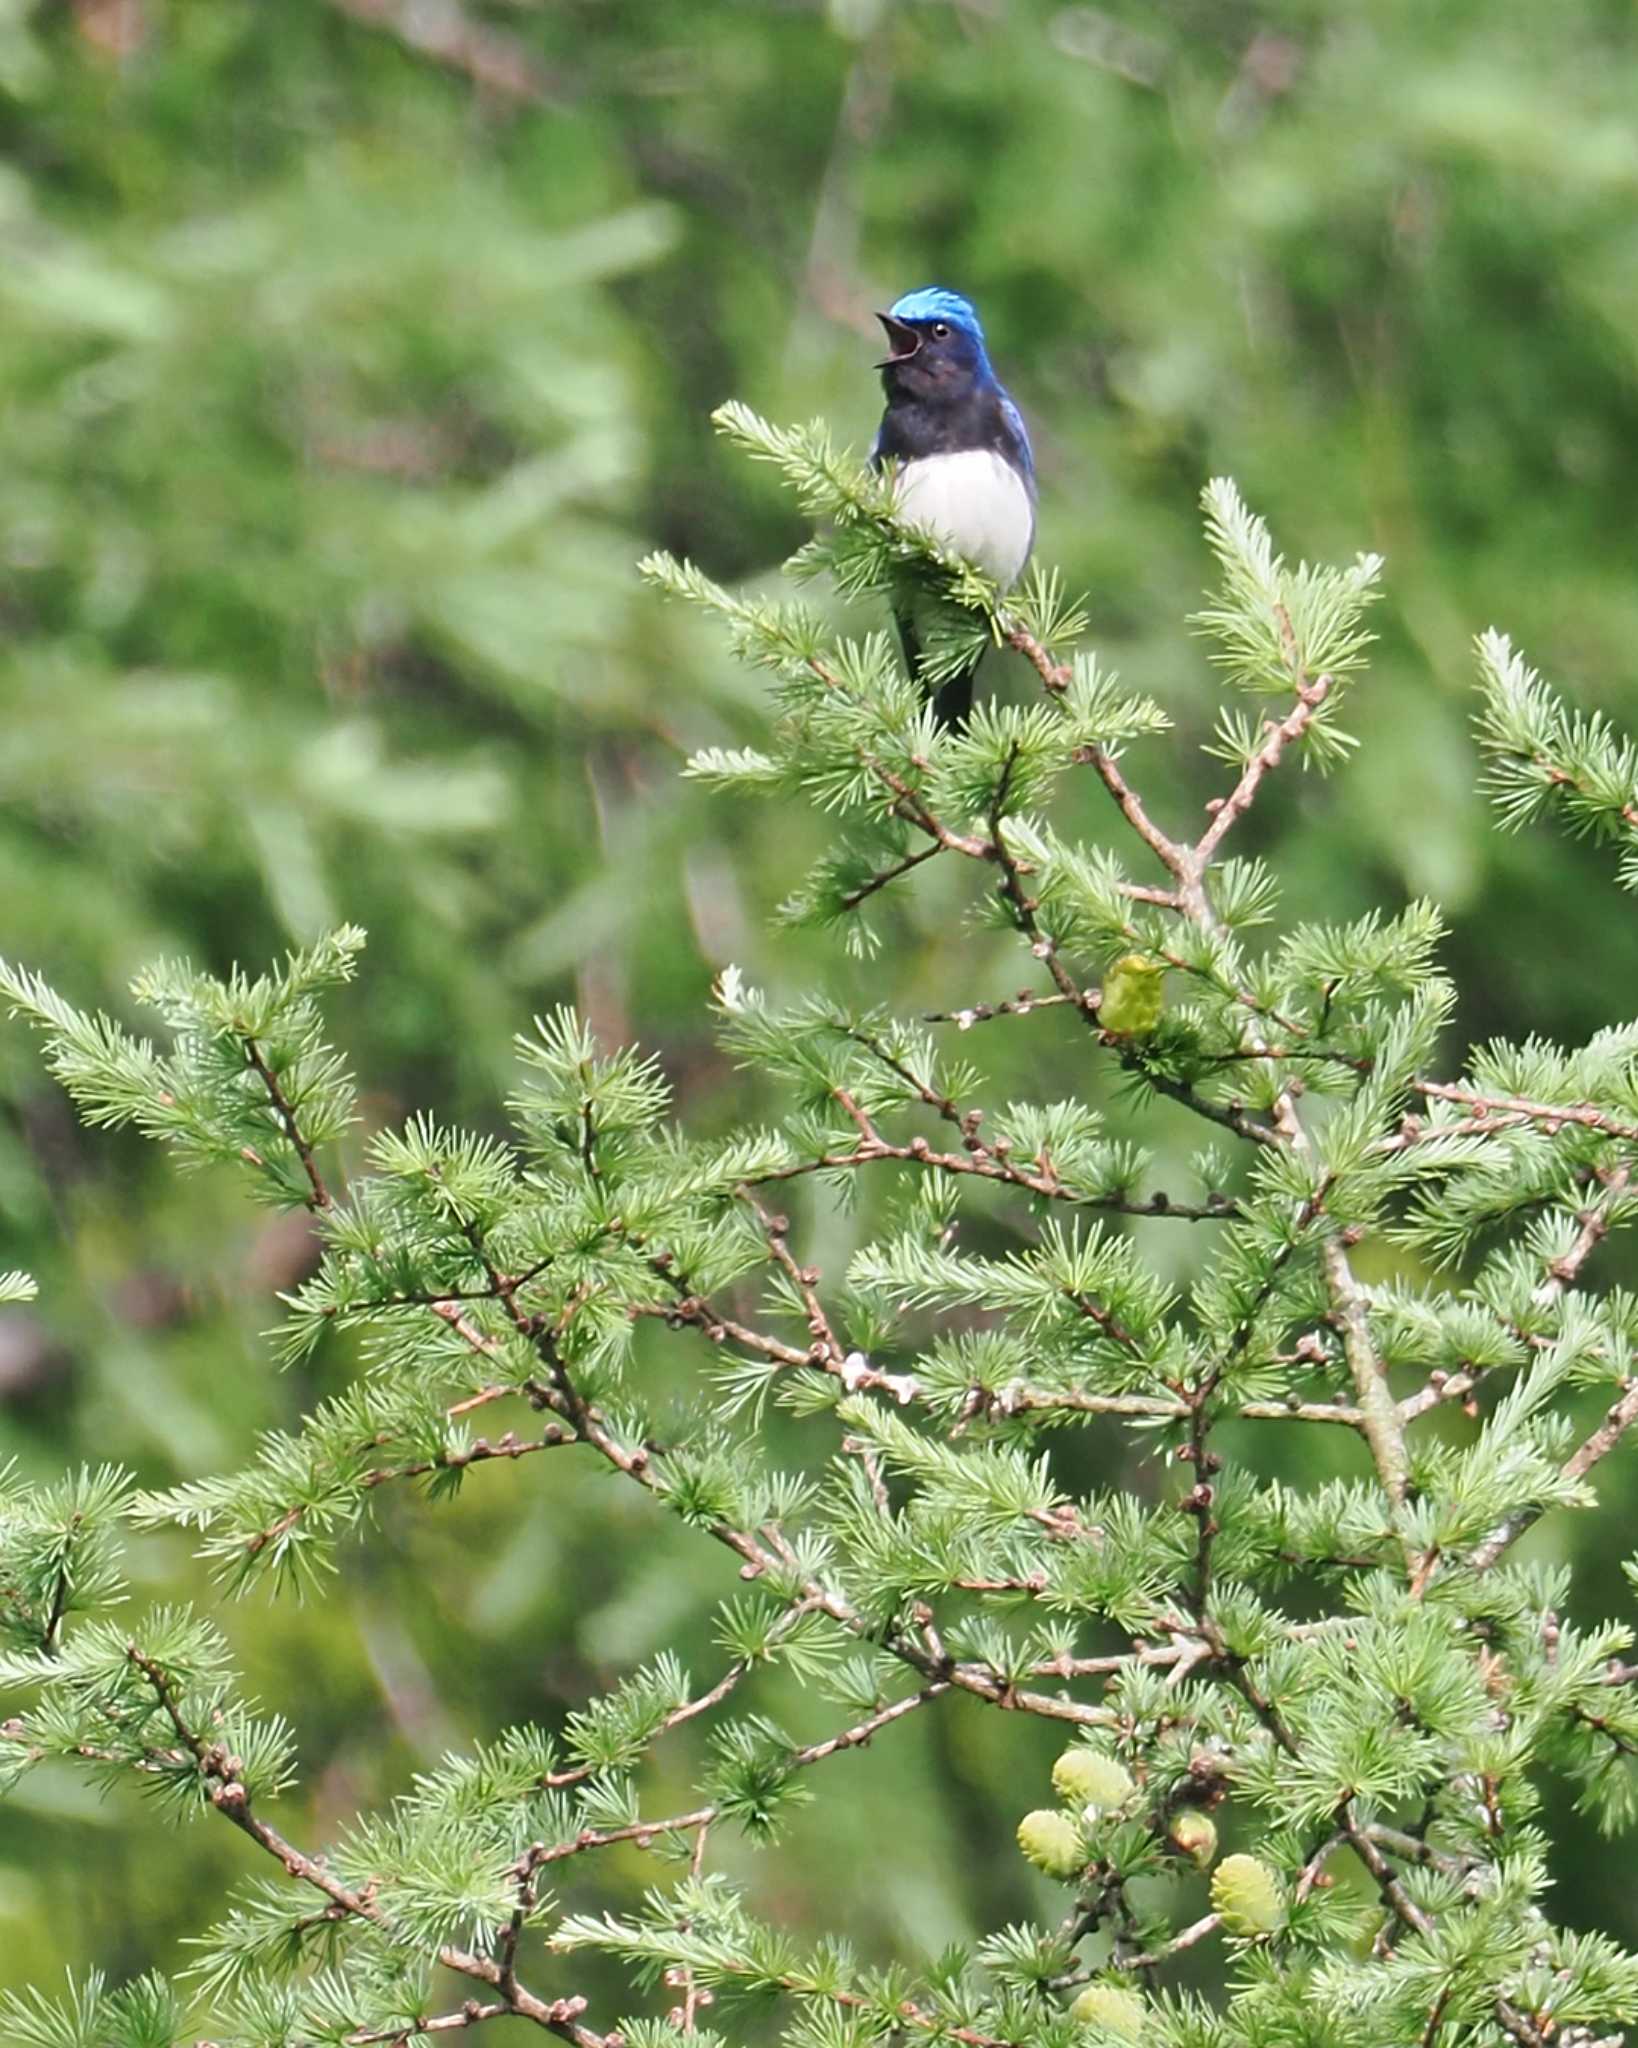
{"x": 351, "y": 353}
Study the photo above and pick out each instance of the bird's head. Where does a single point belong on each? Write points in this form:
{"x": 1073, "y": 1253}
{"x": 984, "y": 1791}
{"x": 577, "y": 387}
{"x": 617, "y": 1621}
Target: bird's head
{"x": 935, "y": 346}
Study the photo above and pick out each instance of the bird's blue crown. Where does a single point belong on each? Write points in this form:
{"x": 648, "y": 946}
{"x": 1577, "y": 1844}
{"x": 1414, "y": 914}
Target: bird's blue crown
{"x": 932, "y": 302}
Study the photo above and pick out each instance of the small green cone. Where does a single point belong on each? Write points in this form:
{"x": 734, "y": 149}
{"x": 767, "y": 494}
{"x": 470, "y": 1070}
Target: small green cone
{"x": 1086, "y": 1777}
{"x": 1133, "y": 997}
{"x": 1051, "y": 1842}
{"x": 1246, "y": 1896}
{"x": 1112, "y": 2008}
{"x": 1194, "y": 1834}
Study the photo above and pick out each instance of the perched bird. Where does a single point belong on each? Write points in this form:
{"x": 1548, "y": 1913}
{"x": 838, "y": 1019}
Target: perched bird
{"x": 965, "y": 467}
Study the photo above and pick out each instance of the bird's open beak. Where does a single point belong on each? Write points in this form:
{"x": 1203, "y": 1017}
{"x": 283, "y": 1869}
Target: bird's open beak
{"x": 902, "y": 339}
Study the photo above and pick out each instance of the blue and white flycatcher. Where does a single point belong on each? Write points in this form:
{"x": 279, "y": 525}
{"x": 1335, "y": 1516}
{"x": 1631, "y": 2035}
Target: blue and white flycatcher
{"x": 964, "y": 466}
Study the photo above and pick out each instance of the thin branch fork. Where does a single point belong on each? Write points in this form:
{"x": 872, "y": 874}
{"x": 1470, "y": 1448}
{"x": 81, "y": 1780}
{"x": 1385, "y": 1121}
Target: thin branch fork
{"x": 1386, "y": 1882}
{"x": 1380, "y": 1418}
{"x": 967, "y": 1123}
{"x": 1188, "y": 899}
{"x": 804, "y": 1279}
{"x": 1086, "y": 1002}
{"x": 1310, "y": 696}
{"x": 1196, "y": 1931}
{"x": 1189, "y": 863}
{"x": 909, "y": 803}
{"x": 1173, "y": 856}
{"x": 1594, "y": 1227}
{"x": 1025, "y": 906}
{"x": 911, "y": 806}
{"x": 226, "y": 1792}
{"x": 990, "y": 1162}
{"x": 646, "y": 1832}
{"x": 1597, "y": 1447}
{"x": 689, "y": 1709}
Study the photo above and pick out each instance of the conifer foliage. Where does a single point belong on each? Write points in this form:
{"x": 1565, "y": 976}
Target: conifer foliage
{"x": 1305, "y": 1727}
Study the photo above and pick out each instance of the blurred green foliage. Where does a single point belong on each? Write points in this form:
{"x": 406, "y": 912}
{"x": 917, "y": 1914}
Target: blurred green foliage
{"x": 351, "y": 351}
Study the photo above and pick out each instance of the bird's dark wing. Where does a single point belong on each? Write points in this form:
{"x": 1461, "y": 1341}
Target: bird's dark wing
{"x": 1017, "y": 436}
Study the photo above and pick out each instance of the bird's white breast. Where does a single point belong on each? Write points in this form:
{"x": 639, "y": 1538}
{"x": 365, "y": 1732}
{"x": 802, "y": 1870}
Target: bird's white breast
{"x": 976, "y": 504}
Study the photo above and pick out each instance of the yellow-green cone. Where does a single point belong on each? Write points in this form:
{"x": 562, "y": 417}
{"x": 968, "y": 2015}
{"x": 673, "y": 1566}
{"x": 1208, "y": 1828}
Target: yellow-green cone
{"x": 1246, "y": 1896}
{"x": 1112, "y": 2008}
{"x": 1134, "y": 994}
{"x": 1195, "y": 1834}
{"x": 1051, "y": 1842}
{"x": 1086, "y": 1777}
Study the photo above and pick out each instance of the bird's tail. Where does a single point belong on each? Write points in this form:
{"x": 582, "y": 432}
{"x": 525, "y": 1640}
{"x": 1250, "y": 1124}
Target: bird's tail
{"x": 952, "y": 701}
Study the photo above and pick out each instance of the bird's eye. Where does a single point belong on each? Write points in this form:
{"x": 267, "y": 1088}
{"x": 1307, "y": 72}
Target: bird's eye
{"x": 940, "y": 329}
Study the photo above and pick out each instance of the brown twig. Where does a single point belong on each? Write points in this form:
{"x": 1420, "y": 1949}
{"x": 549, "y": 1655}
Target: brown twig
{"x": 888, "y": 875}
{"x": 480, "y": 1451}
{"x": 804, "y": 1279}
{"x": 1310, "y": 696}
{"x": 1554, "y": 1115}
{"x": 686, "y": 1712}
{"x": 1196, "y": 1931}
{"x": 1231, "y": 1116}
{"x": 1024, "y": 906}
{"x": 318, "y": 1195}
{"x": 992, "y": 1164}
{"x": 695, "y": 1310}
{"x": 470, "y": 2014}
{"x": 1020, "y": 1005}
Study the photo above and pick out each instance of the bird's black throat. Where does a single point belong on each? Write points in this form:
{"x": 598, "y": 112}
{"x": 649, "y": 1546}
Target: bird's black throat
{"x": 946, "y": 423}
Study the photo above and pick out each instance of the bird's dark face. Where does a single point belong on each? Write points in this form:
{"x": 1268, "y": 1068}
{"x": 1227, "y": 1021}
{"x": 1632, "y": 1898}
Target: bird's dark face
{"x": 930, "y": 359}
